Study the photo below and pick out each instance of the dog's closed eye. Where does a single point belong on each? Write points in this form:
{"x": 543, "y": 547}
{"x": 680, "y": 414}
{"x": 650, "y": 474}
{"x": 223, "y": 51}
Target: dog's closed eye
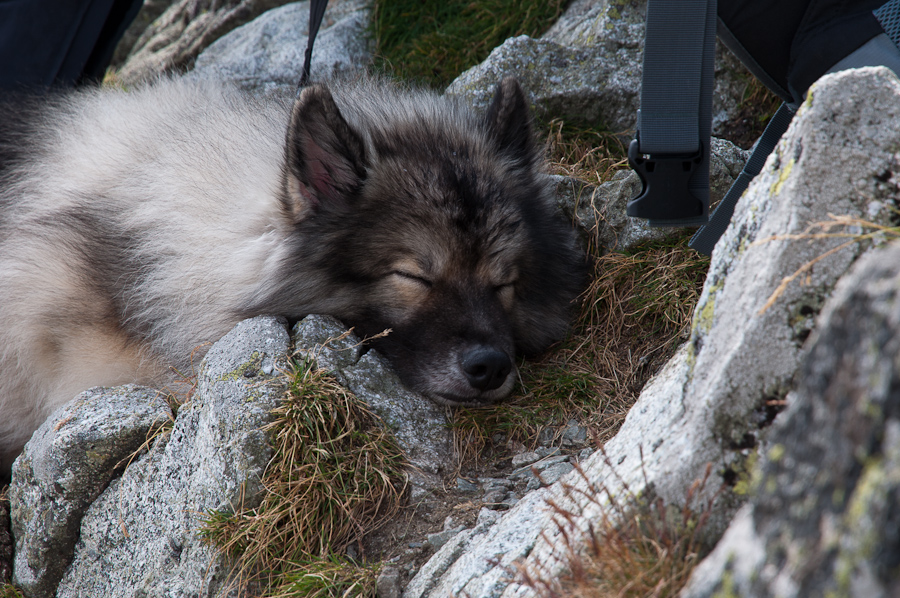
{"x": 412, "y": 278}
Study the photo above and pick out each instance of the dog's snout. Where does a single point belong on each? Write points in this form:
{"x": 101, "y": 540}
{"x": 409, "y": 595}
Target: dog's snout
{"x": 486, "y": 369}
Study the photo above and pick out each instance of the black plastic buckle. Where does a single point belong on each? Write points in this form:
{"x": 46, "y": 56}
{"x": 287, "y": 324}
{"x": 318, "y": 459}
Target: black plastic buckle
{"x": 666, "y": 199}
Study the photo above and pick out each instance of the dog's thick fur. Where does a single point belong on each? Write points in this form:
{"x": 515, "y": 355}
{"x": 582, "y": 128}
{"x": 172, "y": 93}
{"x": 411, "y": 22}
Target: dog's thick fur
{"x": 135, "y": 227}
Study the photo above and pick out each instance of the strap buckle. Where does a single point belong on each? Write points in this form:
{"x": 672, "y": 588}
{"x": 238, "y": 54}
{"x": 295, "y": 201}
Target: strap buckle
{"x": 666, "y": 199}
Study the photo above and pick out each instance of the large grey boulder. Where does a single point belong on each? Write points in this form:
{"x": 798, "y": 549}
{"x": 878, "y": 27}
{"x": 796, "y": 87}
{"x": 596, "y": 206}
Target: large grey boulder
{"x": 712, "y": 401}
{"x": 823, "y": 518}
{"x": 586, "y": 85}
{"x": 270, "y": 49}
{"x": 182, "y": 31}
{"x": 67, "y": 463}
{"x": 139, "y": 536}
{"x": 587, "y": 68}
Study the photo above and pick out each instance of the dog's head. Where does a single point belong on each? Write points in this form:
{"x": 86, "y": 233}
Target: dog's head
{"x": 420, "y": 217}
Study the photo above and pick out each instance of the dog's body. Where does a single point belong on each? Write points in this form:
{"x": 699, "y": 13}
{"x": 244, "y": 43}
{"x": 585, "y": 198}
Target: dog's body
{"x": 136, "y": 227}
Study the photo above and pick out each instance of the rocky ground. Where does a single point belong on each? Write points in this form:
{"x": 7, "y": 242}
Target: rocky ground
{"x": 482, "y": 491}
{"x": 757, "y": 343}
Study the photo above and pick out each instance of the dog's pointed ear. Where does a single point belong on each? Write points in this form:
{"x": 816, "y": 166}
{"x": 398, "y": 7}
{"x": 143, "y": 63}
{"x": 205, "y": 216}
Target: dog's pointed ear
{"x": 509, "y": 121}
{"x": 325, "y": 158}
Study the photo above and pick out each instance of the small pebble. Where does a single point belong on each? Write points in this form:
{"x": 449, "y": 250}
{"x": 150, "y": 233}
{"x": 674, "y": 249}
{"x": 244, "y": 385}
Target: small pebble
{"x": 487, "y": 516}
{"x": 439, "y": 539}
{"x": 495, "y": 497}
{"x": 492, "y": 483}
{"x": 525, "y": 459}
{"x": 388, "y": 583}
{"x": 464, "y": 485}
{"x": 552, "y": 474}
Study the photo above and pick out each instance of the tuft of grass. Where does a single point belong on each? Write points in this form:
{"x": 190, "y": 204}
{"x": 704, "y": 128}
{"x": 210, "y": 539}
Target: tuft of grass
{"x": 585, "y": 153}
{"x": 329, "y": 577}
{"x": 761, "y": 100}
{"x": 756, "y": 108}
{"x": 432, "y": 42}
{"x": 639, "y": 548}
{"x": 336, "y": 475}
{"x": 8, "y": 590}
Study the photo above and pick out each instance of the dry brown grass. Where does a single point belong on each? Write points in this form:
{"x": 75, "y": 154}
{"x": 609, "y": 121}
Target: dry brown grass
{"x": 587, "y": 155}
{"x": 856, "y": 230}
{"x": 336, "y": 475}
{"x": 639, "y": 548}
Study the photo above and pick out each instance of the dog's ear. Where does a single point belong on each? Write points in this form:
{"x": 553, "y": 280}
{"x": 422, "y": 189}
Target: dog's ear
{"x": 509, "y": 121}
{"x": 325, "y": 157}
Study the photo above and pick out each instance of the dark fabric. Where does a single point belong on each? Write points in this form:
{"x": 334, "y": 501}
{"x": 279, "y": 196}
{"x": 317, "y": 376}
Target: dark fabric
{"x": 829, "y": 32}
{"x": 765, "y": 29}
{"x": 47, "y": 43}
{"x": 794, "y": 42}
{"x": 120, "y": 17}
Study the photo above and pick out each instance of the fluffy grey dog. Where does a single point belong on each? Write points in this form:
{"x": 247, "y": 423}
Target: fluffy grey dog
{"x": 138, "y": 226}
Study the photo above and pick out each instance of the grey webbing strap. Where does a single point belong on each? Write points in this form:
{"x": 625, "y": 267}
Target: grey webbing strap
{"x": 671, "y": 147}
{"x": 704, "y": 240}
{"x": 316, "y": 12}
{"x": 670, "y": 90}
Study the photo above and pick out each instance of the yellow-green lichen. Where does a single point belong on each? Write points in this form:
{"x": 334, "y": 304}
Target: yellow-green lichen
{"x": 701, "y": 324}
{"x": 248, "y": 369}
{"x": 691, "y": 359}
{"x": 807, "y": 103}
{"x": 838, "y": 497}
{"x": 727, "y": 589}
{"x": 748, "y": 475}
{"x": 863, "y": 537}
{"x": 776, "y": 453}
{"x": 703, "y": 320}
{"x": 782, "y": 177}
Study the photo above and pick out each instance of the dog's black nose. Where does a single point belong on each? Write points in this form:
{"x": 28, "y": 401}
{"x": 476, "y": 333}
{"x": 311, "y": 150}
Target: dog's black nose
{"x": 486, "y": 369}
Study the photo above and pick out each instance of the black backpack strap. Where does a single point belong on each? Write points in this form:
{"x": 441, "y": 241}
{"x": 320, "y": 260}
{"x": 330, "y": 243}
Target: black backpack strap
{"x": 670, "y": 151}
{"x": 705, "y": 239}
{"x": 316, "y": 12}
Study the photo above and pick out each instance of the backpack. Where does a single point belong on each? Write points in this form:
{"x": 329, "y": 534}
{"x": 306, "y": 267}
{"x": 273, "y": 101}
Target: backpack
{"x": 786, "y": 44}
